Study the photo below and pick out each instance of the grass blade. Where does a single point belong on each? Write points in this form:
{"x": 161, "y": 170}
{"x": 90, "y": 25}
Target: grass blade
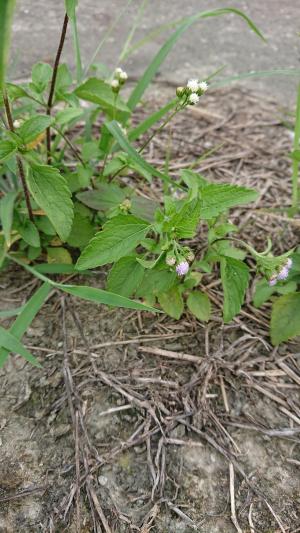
{"x": 150, "y": 121}
{"x": 104, "y": 297}
{"x": 6, "y": 15}
{"x": 12, "y": 344}
{"x": 295, "y": 167}
{"x": 116, "y": 131}
{"x": 132, "y": 31}
{"x": 167, "y": 47}
{"x": 71, "y": 12}
{"x": 23, "y": 321}
{"x": 88, "y": 293}
{"x": 11, "y": 312}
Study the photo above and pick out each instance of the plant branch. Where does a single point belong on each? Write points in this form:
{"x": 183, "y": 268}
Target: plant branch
{"x": 19, "y": 162}
{"x": 53, "y": 81}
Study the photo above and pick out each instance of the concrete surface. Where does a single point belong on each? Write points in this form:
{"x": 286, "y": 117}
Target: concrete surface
{"x": 208, "y": 45}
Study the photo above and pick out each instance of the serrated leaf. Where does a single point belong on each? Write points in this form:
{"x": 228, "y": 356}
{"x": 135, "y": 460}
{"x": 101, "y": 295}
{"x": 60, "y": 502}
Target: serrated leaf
{"x": 125, "y": 276}
{"x": 217, "y": 198}
{"x": 33, "y": 127}
{"x": 171, "y": 302}
{"x": 6, "y": 213}
{"x": 98, "y": 92}
{"x": 119, "y": 237}
{"x": 7, "y": 150}
{"x": 285, "y": 318}
{"x": 235, "y": 279}
{"x": 187, "y": 220}
{"x": 199, "y": 305}
{"x": 50, "y": 191}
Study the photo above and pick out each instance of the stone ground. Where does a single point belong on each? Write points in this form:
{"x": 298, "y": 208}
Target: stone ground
{"x": 205, "y": 47}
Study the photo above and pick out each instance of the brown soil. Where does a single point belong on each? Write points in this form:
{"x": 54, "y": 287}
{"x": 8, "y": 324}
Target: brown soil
{"x": 122, "y": 431}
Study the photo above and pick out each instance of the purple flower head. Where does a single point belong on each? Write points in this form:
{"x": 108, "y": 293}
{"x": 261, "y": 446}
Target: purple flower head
{"x": 272, "y": 281}
{"x": 289, "y": 263}
{"x": 283, "y": 274}
{"x": 182, "y": 268}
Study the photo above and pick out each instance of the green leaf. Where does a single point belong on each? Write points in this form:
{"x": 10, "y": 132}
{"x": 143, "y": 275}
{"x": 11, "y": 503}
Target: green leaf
{"x": 105, "y": 197}
{"x": 25, "y": 318}
{"x": 50, "y": 191}
{"x": 6, "y": 213}
{"x": 68, "y": 116}
{"x": 285, "y": 318}
{"x": 29, "y": 233}
{"x": 235, "y": 279}
{"x": 6, "y": 16}
{"x": 125, "y": 276}
{"x": 88, "y": 293}
{"x": 8, "y": 313}
{"x": 171, "y": 302}
{"x": 33, "y": 127}
{"x": 119, "y": 237}
{"x": 199, "y": 305}
{"x": 156, "y": 282}
{"x": 151, "y": 70}
{"x": 145, "y": 126}
{"x": 263, "y": 291}
{"x": 116, "y": 131}
{"x": 9, "y": 342}
{"x": 41, "y": 75}
{"x": 82, "y": 231}
{"x": 7, "y": 150}
{"x": 217, "y": 198}
{"x": 186, "y": 221}
{"x": 100, "y": 93}
{"x": 104, "y": 297}
{"x": 59, "y": 255}
{"x": 70, "y": 6}
{"x": 144, "y": 207}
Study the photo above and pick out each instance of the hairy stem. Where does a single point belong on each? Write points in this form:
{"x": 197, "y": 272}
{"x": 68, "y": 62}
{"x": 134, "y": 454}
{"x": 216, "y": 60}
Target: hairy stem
{"x": 19, "y": 161}
{"x": 53, "y": 81}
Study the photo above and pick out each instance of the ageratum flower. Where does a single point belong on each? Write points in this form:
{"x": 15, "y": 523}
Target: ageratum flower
{"x": 193, "y": 85}
{"x": 182, "y": 268}
{"x": 193, "y": 99}
{"x": 273, "y": 280}
{"x": 203, "y": 86}
{"x": 283, "y": 274}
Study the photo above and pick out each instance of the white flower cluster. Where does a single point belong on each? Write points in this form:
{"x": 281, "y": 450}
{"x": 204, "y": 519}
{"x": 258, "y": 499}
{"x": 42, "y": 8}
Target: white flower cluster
{"x": 193, "y": 90}
{"x": 120, "y": 77}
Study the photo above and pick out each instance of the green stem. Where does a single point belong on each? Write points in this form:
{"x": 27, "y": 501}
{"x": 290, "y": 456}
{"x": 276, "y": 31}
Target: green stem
{"x": 19, "y": 161}
{"x": 295, "y": 166}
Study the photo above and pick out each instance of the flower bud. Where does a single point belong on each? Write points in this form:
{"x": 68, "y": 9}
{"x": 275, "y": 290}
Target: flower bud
{"x": 190, "y": 256}
{"x": 115, "y": 86}
{"x": 170, "y": 260}
{"x": 125, "y": 205}
{"x": 180, "y": 91}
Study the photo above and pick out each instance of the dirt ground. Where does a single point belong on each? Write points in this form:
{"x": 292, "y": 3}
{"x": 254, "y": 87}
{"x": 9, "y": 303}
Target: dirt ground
{"x": 140, "y": 423}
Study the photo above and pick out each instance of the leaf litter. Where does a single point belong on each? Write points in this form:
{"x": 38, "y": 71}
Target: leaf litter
{"x": 143, "y": 423}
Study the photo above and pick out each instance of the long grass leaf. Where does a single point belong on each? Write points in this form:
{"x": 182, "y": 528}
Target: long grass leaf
{"x": 23, "y": 321}
{"x": 6, "y": 15}
{"x": 12, "y": 344}
{"x": 167, "y": 47}
{"x": 89, "y": 293}
{"x": 295, "y": 167}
